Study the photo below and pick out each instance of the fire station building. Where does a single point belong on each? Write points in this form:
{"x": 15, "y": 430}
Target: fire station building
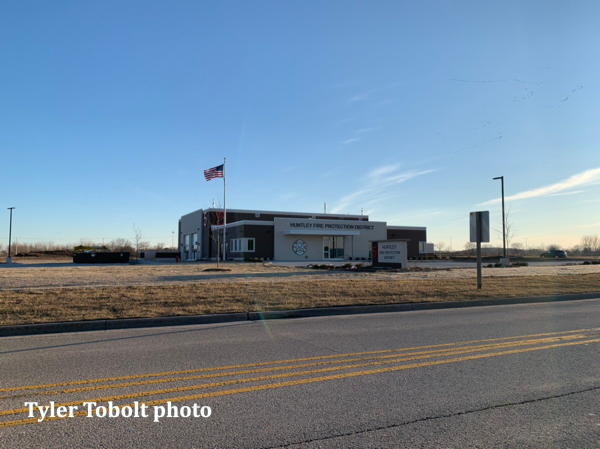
{"x": 288, "y": 236}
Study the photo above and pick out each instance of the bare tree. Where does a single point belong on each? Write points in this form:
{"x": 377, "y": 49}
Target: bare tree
{"x": 469, "y": 247}
{"x": 590, "y": 244}
{"x": 215, "y": 219}
{"x": 510, "y": 228}
{"x": 440, "y": 247}
{"x": 120, "y": 244}
{"x": 518, "y": 248}
{"x": 137, "y": 239}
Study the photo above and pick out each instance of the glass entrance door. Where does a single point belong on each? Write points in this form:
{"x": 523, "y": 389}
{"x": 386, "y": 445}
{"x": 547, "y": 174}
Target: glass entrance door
{"x": 333, "y": 248}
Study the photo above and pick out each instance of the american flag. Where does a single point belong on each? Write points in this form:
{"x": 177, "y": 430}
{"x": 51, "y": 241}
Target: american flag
{"x": 215, "y": 172}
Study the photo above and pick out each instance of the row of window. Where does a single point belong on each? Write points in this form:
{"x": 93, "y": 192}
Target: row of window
{"x": 244, "y": 245}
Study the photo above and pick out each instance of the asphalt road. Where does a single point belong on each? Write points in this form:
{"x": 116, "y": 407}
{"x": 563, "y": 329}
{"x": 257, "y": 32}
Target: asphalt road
{"x": 503, "y": 376}
{"x": 447, "y": 263}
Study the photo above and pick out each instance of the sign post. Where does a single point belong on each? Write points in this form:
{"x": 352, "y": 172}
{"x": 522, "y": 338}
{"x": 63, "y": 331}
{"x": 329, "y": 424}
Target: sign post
{"x": 480, "y": 232}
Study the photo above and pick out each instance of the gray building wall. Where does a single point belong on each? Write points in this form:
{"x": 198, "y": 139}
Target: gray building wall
{"x": 413, "y": 234}
{"x": 188, "y": 225}
{"x": 357, "y": 235}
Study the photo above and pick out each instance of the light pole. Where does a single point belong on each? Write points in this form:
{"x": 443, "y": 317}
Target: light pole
{"x": 172, "y": 239}
{"x": 501, "y": 178}
{"x": 9, "y": 259}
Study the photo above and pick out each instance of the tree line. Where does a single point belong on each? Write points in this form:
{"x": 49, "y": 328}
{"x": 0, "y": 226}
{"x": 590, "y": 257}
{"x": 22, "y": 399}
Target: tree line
{"x": 115, "y": 245}
{"x": 589, "y": 245}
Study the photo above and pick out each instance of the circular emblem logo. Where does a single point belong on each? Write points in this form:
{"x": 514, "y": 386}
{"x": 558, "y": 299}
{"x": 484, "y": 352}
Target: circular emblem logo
{"x": 299, "y": 247}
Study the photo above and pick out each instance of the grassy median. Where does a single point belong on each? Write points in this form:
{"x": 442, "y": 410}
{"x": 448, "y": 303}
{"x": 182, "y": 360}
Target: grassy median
{"x": 25, "y": 306}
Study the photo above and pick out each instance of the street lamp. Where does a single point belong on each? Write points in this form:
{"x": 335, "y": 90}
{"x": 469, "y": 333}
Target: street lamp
{"x": 501, "y": 178}
{"x": 9, "y": 259}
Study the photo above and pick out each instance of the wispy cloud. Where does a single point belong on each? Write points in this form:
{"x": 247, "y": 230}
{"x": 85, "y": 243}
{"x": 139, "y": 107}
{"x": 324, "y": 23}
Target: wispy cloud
{"x": 362, "y": 96}
{"x": 591, "y": 225}
{"x": 421, "y": 216}
{"x": 367, "y": 130}
{"x": 381, "y": 171}
{"x": 353, "y": 139}
{"x": 587, "y": 177}
{"x": 288, "y": 196}
{"x": 575, "y": 192}
{"x": 359, "y": 97}
{"x": 343, "y": 84}
{"x": 346, "y": 120}
{"x": 378, "y": 186}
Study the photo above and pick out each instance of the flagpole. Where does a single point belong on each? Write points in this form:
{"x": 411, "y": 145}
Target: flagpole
{"x": 224, "y": 210}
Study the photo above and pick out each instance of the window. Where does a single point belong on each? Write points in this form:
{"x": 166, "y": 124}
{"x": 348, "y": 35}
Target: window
{"x": 194, "y": 249}
{"x": 186, "y": 247}
{"x": 243, "y": 245}
{"x": 333, "y": 247}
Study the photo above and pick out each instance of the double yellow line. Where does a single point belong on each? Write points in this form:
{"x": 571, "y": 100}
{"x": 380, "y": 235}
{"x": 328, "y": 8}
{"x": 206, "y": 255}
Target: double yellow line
{"x": 375, "y": 358}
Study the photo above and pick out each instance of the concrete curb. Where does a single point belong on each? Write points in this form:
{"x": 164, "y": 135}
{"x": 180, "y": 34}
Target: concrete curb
{"x": 132, "y": 323}
{"x": 129, "y": 323}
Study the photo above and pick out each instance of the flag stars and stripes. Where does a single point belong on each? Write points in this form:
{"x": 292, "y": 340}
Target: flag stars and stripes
{"x": 215, "y": 172}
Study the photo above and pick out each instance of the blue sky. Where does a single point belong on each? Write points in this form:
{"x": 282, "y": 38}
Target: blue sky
{"x": 109, "y": 112}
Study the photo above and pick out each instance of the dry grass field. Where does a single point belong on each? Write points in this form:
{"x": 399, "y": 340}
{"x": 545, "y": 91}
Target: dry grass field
{"x": 50, "y": 293}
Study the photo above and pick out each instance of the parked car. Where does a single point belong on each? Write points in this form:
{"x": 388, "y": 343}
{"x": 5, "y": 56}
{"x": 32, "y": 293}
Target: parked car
{"x": 555, "y": 253}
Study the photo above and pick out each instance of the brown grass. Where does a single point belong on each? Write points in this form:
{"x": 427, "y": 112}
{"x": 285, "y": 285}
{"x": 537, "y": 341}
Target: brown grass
{"x": 195, "y": 298}
{"x": 68, "y": 275}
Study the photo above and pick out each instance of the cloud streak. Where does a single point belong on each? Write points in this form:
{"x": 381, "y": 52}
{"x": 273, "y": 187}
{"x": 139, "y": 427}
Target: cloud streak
{"x": 591, "y": 225}
{"x": 378, "y": 185}
{"x": 587, "y": 177}
{"x": 353, "y": 139}
{"x": 360, "y": 97}
{"x": 574, "y": 192}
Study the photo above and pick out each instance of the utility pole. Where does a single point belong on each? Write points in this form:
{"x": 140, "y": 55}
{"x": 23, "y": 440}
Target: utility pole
{"x": 501, "y": 178}
{"x": 172, "y": 238}
{"x": 9, "y": 259}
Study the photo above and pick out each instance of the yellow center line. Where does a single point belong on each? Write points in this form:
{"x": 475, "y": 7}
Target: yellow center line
{"x": 440, "y": 353}
{"x": 398, "y": 359}
{"x": 317, "y": 379}
{"x": 277, "y": 362}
